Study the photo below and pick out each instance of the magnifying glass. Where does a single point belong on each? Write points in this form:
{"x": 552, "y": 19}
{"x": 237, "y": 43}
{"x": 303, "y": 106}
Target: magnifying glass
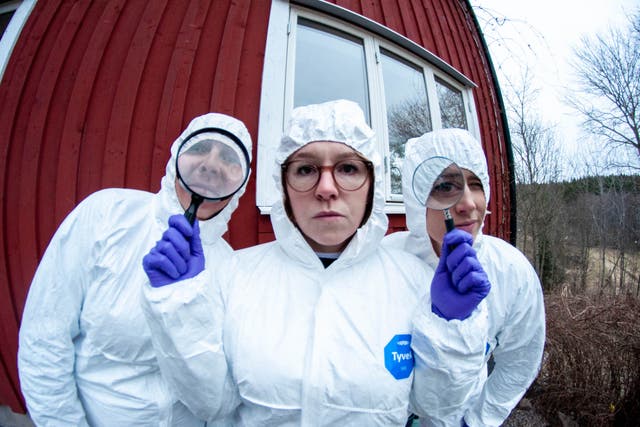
{"x": 212, "y": 164}
{"x": 443, "y": 192}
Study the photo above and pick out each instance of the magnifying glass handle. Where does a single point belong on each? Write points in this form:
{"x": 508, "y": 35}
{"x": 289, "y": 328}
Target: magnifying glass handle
{"x": 448, "y": 221}
{"x": 191, "y": 211}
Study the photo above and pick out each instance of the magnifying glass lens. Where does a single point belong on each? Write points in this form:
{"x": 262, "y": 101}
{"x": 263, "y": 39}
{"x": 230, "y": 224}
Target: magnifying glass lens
{"x": 447, "y": 189}
{"x": 213, "y": 166}
{"x": 438, "y": 183}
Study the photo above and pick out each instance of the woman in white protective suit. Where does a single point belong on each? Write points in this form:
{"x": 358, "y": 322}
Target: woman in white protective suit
{"x": 85, "y": 355}
{"x": 317, "y": 327}
{"x": 515, "y": 303}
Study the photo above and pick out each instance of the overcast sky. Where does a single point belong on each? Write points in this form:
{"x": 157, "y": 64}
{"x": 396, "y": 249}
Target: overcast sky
{"x": 542, "y": 34}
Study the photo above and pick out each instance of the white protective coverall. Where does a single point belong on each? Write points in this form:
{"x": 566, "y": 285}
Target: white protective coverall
{"x": 85, "y": 355}
{"x": 515, "y": 303}
{"x": 307, "y": 346}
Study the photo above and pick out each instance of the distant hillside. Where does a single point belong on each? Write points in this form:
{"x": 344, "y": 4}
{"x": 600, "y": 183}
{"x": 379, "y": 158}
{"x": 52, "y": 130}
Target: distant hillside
{"x": 598, "y": 184}
{"x": 562, "y": 226}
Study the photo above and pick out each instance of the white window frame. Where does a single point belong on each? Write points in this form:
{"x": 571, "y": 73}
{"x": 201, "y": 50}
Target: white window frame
{"x": 277, "y": 89}
{"x": 22, "y": 9}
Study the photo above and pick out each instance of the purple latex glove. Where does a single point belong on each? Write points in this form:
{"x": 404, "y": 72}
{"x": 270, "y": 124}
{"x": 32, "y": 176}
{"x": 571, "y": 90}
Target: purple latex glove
{"x": 177, "y": 256}
{"x": 460, "y": 282}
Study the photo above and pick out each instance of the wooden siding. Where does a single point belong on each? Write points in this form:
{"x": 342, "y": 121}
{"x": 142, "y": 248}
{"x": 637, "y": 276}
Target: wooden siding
{"x": 93, "y": 96}
{"x": 96, "y": 91}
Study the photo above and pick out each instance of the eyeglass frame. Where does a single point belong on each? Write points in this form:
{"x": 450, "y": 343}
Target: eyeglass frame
{"x": 368, "y": 164}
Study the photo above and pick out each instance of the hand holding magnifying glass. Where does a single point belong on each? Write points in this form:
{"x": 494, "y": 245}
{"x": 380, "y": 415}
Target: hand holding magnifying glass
{"x": 212, "y": 164}
{"x": 459, "y": 283}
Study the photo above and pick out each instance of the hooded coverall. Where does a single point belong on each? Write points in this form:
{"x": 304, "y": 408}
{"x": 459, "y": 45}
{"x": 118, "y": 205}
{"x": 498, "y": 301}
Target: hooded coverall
{"x": 280, "y": 340}
{"x": 85, "y": 355}
{"x": 515, "y": 303}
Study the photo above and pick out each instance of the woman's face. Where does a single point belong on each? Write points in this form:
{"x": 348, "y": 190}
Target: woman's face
{"x": 468, "y": 214}
{"x": 327, "y": 214}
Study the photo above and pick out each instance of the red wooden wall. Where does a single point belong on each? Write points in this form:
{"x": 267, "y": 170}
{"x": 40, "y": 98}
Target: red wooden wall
{"x": 93, "y": 96}
{"x": 96, "y": 91}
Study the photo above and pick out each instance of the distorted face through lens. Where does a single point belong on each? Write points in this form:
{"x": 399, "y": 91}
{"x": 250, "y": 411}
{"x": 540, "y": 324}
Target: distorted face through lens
{"x": 468, "y": 212}
{"x": 211, "y": 169}
{"x": 447, "y": 188}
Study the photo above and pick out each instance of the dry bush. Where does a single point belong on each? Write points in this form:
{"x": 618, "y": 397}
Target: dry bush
{"x": 591, "y": 365}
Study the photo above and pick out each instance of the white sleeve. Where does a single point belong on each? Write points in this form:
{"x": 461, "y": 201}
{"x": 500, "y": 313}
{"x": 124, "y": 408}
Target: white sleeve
{"x": 186, "y": 323}
{"x": 449, "y": 363}
{"x": 517, "y": 356}
{"x": 50, "y": 322}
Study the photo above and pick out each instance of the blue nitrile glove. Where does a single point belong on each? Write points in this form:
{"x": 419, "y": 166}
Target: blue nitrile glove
{"x": 460, "y": 282}
{"x": 177, "y": 256}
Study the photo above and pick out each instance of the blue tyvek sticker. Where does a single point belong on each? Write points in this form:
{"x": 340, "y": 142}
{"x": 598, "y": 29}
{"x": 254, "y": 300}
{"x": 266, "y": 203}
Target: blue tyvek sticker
{"x": 398, "y": 356}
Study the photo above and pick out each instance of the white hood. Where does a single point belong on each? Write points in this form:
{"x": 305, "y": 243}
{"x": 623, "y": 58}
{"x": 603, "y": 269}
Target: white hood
{"x": 455, "y": 144}
{"x": 211, "y": 229}
{"x": 337, "y": 121}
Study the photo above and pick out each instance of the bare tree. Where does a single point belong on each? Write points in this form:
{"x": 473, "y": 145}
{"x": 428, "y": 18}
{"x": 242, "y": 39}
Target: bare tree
{"x": 607, "y": 68}
{"x": 536, "y": 150}
{"x": 538, "y": 164}
{"x": 607, "y": 207}
{"x": 603, "y": 234}
{"x": 407, "y": 119}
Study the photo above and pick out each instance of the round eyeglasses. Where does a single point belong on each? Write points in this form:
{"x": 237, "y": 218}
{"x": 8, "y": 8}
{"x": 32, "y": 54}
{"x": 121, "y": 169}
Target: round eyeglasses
{"x": 349, "y": 174}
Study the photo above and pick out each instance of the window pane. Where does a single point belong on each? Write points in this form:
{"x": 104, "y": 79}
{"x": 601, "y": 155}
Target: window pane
{"x": 408, "y": 115}
{"x": 329, "y": 65}
{"x": 4, "y": 21}
{"x": 451, "y": 106}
